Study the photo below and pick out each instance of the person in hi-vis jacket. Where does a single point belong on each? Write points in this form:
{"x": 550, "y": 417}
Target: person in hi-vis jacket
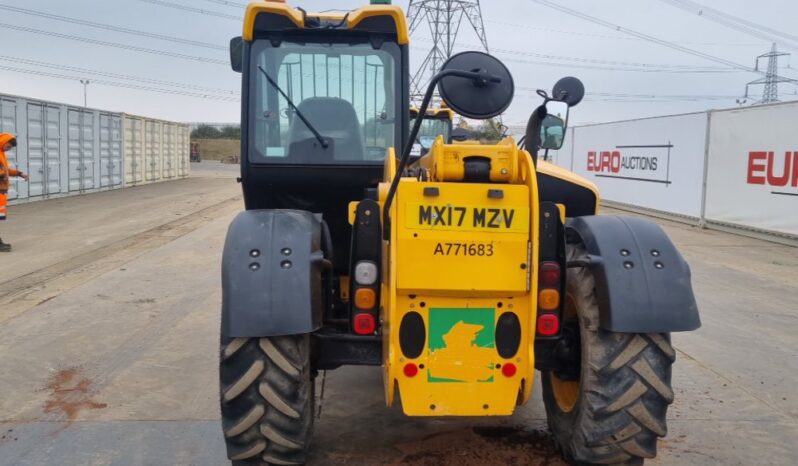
{"x": 7, "y": 142}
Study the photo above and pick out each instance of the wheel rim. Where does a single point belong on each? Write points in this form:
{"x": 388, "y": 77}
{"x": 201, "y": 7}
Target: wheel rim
{"x": 566, "y": 392}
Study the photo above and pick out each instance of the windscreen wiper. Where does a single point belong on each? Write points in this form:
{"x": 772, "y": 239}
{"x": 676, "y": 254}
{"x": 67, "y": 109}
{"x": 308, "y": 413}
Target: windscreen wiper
{"x": 313, "y": 130}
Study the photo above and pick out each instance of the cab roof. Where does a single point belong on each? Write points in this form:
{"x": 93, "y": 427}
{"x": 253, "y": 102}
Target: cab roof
{"x": 277, "y": 15}
{"x": 437, "y": 112}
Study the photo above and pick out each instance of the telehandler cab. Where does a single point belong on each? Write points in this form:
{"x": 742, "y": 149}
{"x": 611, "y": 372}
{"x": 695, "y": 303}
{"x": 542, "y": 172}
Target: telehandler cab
{"x": 460, "y": 272}
{"x": 436, "y": 121}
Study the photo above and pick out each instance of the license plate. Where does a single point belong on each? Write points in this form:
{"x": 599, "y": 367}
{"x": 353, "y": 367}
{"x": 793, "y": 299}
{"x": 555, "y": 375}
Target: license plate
{"x": 507, "y": 219}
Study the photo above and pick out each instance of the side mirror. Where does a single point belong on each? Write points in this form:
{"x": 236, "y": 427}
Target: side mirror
{"x": 547, "y": 124}
{"x": 479, "y": 99}
{"x": 237, "y": 54}
{"x": 552, "y": 128}
{"x": 569, "y": 90}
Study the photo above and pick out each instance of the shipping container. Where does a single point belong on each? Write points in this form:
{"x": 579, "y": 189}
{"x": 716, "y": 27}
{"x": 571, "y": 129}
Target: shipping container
{"x": 111, "y": 163}
{"x": 8, "y": 124}
{"x": 70, "y": 150}
{"x": 153, "y": 150}
{"x": 183, "y": 150}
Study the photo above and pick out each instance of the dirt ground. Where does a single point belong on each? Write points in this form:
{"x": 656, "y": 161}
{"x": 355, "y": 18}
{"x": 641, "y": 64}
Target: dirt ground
{"x": 109, "y": 319}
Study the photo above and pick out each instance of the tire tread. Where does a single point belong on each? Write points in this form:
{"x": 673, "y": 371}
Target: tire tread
{"x": 266, "y": 399}
{"x": 625, "y": 387}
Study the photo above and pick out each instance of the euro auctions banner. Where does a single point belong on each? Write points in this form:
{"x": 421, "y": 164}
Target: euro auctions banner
{"x": 752, "y": 175}
{"x": 655, "y": 163}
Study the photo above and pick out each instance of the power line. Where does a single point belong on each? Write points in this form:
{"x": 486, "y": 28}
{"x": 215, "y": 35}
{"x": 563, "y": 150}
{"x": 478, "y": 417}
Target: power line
{"x": 642, "y": 96}
{"x": 177, "y": 6}
{"x": 640, "y": 35}
{"x": 595, "y": 60}
{"x": 109, "y": 27}
{"x": 613, "y": 68}
{"x": 734, "y": 22}
{"x": 228, "y": 3}
{"x": 121, "y": 85}
{"x": 606, "y": 36}
{"x": 116, "y": 45}
{"x": 106, "y": 74}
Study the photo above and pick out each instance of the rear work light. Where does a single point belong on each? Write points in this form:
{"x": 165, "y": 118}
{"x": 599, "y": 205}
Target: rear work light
{"x": 364, "y": 323}
{"x": 548, "y": 324}
{"x": 550, "y": 274}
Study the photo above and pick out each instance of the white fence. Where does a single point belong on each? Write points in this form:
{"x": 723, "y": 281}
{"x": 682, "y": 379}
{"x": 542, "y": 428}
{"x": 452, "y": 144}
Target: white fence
{"x": 734, "y": 167}
{"x": 70, "y": 150}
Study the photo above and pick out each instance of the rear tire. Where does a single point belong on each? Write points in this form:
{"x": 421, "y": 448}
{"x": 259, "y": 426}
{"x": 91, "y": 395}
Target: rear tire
{"x": 267, "y": 399}
{"x": 617, "y": 410}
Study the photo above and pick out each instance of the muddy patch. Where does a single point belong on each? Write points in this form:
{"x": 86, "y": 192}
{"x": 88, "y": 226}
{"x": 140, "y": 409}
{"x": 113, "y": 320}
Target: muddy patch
{"x": 70, "y": 393}
{"x": 480, "y": 446}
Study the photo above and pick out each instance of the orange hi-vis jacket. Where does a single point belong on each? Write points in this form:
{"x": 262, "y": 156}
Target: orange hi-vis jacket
{"x": 6, "y": 172}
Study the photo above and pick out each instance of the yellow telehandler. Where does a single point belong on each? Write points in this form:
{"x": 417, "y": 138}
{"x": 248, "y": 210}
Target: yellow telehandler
{"x": 460, "y": 272}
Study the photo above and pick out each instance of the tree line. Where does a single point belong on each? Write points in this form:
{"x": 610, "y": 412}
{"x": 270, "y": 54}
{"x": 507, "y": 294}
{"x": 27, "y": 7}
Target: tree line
{"x": 212, "y": 132}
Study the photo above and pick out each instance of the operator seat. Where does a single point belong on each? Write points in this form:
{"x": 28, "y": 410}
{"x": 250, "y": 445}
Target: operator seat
{"x": 334, "y": 118}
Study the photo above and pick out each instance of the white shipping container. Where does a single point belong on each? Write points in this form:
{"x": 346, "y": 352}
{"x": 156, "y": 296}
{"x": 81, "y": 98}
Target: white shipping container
{"x": 183, "y": 149}
{"x": 134, "y": 150}
{"x": 153, "y": 154}
{"x": 154, "y": 149}
{"x": 169, "y": 150}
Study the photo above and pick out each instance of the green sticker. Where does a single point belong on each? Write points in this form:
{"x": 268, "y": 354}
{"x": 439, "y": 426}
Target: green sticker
{"x": 461, "y": 344}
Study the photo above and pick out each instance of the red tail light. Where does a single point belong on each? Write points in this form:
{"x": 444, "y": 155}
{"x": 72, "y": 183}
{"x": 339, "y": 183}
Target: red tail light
{"x": 548, "y": 324}
{"x": 550, "y": 274}
{"x": 364, "y": 323}
{"x": 410, "y": 369}
{"x": 508, "y": 369}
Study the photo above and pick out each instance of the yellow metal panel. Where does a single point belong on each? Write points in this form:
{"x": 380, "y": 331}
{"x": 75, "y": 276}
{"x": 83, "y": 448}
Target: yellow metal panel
{"x": 254, "y": 8}
{"x": 569, "y": 176}
{"x": 353, "y": 211}
{"x": 459, "y": 375}
{"x": 394, "y": 11}
{"x": 446, "y": 162}
{"x": 462, "y": 241}
{"x": 473, "y": 392}
{"x": 353, "y": 18}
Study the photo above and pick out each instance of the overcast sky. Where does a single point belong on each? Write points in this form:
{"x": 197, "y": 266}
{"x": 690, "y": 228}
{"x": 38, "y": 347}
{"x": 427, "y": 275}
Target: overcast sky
{"x": 610, "y": 63}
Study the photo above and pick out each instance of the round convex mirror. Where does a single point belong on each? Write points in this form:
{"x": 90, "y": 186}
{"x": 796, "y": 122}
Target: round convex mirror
{"x": 475, "y": 99}
{"x": 569, "y": 90}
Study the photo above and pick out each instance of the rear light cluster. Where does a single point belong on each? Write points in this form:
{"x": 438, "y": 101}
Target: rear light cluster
{"x": 550, "y": 275}
{"x": 364, "y": 320}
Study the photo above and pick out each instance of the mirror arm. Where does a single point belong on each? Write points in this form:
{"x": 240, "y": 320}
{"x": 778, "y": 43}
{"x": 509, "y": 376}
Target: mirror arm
{"x": 532, "y": 135}
{"x": 480, "y": 79}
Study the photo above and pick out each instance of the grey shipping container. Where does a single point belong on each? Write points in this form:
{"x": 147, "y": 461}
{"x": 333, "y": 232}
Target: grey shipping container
{"x": 70, "y": 150}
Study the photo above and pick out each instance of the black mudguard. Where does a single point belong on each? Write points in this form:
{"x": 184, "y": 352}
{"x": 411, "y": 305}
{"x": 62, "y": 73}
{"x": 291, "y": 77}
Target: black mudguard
{"x": 272, "y": 274}
{"x": 642, "y": 282}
